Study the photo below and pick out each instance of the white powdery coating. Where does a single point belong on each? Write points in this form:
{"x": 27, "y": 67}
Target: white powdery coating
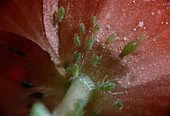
{"x": 127, "y": 24}
{"x": 141, "y": 24}
{"x": 51, "y": 31}
{"x": 80, "y": 89}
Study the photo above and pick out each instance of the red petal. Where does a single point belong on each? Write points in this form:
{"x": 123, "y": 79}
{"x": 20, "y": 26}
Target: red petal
{"x": 23, "y": 60}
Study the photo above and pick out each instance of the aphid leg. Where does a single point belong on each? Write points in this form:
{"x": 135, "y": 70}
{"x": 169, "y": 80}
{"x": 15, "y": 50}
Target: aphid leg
{"x": 114, "y": 79}
{"x": 103, "y": 81}
{"x": 116, "y": 93}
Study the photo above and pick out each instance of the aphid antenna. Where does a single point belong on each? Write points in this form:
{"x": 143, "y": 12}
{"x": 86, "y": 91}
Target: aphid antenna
{"x": 83, "y": 61}
{"x": 121, "y": 108}
{"x": 143, "y": 45}
{"x": 103, "y": 81}
{"x": 93, "y": 71}
{"x": 102, "y": 92}
{"x": 68, "y": 7}
{"x": 117, "y": 79}
{"x": 101, "y": 56}
{"x": 116, "y": 93}
{"x": 75, "y": 52}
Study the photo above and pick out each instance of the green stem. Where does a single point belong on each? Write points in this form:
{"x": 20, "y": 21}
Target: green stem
{"x": 81, "y": 89}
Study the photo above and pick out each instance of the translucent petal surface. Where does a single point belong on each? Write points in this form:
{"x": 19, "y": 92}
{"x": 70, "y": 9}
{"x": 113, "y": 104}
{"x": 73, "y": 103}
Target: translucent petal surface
{"x": 23, "y": 60}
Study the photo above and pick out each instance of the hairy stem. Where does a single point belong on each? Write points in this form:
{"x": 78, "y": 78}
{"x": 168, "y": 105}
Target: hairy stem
{"x": 80, "y": 89}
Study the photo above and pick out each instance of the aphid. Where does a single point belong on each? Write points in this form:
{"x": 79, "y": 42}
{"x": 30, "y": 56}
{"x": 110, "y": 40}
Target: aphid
{"x": 117, "y": 104}
{"x": 60, "y": 13}
{"x": 142, "y": 37}
{"x": 77, "y": 40}
{"x": 75, "y": 69}
{"x": 76, "y": 57}
{"x": 95, "y": 61}
{"x": 94, "y": 112}
{"x": 96, "y": 28}
{"x": 94, "y": 20}
{"x": 107, "y": 86}
{"x": 66, "y": 66}
{"x": 110, "y": 39}
{"x": 82, "y": 28}
{"x": 128, "y": 49}
{"x": 90, "y": 42}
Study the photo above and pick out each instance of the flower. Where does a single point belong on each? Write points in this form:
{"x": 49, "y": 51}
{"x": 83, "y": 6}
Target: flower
{"x": 143, "y": 77}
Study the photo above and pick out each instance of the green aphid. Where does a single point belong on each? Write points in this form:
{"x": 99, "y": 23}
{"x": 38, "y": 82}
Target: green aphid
{"x": 82, "y": 28}
{"x": 107, "y": 86}
{"x": 66, "y": 66}
{"x": 60, "y": 13}
{"x": 95, "y": 61}
{"x": 142, "y": 37}
{"x": 94, "y": 112}
{"x": 76, "y": 57}
{"x": 95, "y": 28}
{"x": 94, "y": 20}
{"x": 75, "y": 69}
{"x": 117, "y": 104}
{"x": 110, "y": 39}
{"x": 90, "y": 42}
{"x": 77, "y": 40}
{"x": 128, "y": 49}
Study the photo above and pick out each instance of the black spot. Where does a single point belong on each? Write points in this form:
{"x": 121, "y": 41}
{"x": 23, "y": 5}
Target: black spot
{"x": 26, "y": 84}
{"x": 29, "y": 106}
{"x": 10, "y": 49}
{"x": 36, "y": 95}
{"x": 22, "y": 54}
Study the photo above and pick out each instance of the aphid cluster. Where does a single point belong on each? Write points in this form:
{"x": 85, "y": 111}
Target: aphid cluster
{"x": 128, "y": 49}
{"x": 77, "y": 42}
